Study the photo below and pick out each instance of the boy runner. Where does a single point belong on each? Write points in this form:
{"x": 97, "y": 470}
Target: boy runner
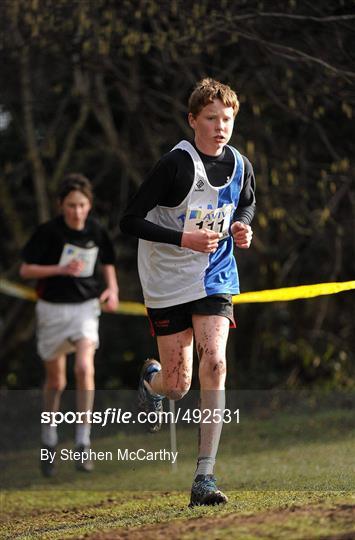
{"x": 66, "y": 255}
{"x": 197, "y": 201}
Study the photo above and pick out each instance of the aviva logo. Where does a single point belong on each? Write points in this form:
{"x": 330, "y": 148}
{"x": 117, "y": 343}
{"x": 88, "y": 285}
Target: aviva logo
{"x": 200, "y": 185}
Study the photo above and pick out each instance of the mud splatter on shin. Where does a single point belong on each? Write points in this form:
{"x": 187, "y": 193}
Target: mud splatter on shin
{"x": 177, "y": 375}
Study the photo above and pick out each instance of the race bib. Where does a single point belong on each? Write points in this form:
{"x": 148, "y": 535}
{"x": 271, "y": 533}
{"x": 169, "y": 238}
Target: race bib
{"x": 87, "y": 255}
{"x": 217, "y": 220}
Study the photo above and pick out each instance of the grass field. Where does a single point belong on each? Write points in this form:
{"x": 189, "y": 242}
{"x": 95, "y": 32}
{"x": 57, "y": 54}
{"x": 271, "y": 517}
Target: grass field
{"x": 288, "y": 476}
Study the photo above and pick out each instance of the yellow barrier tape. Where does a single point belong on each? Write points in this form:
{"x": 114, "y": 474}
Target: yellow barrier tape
{"x": 27, "y": 293}
{"x": 293, "y": 293}
{"x": 273, "y": 295}
{"x": 131, "y": 308}
{"x": 19, "y": 291}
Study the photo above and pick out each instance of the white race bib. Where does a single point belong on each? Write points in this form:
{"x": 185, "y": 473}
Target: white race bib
{"x": 87, "y": 255}
{"x": 217, "y": 220}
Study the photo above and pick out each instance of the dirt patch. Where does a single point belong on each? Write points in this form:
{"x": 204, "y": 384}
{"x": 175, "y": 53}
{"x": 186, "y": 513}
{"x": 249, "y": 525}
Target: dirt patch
{"x": 343, "y": 515}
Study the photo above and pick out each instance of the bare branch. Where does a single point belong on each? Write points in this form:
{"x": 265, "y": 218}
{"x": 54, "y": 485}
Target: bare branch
{"x": 10, "y": 213}
{"x": 296, "y": 55}
{"x": 69, "y": 145}
{"x": 105, "y": 118}
{"x": 39, "y": 176}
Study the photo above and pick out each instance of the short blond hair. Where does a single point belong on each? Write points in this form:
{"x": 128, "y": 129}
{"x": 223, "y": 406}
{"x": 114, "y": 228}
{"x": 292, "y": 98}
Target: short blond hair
{"x": 209, "y": 89}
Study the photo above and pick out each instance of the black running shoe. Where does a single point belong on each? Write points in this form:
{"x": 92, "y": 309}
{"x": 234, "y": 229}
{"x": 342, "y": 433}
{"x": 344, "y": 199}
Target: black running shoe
{"x": 148, "y": 402}
{"x": 205, "y": 492}
{"x": 85, "y": 464}
{"x": 47, "y": 466}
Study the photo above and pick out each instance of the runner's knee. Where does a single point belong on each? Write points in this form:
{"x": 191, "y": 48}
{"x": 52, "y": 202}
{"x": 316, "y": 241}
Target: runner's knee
{"x": 83, "y": 372}
{"x": 177, "y": 392}
{"x": 213, "y": 366}
{"x": 55, "y": 382}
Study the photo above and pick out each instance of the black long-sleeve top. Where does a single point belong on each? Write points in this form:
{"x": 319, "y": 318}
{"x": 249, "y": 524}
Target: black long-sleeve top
{"x": 169, "y": 182}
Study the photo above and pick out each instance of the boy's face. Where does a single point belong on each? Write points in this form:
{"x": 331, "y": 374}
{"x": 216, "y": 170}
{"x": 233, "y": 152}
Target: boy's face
{"x": 75, "y": 208}
{"x": 213, "y": 127}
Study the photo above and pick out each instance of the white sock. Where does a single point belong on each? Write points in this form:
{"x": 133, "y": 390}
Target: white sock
{"x": 210, "y": 432}
{"x": 205, "y": 465}
{"x": 49, "y": 435}
{"x": 82, "y": 434}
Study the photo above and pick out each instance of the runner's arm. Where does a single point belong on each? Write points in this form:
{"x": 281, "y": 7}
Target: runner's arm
{"x": 110, "y": 295}
{"x": 246, "y": 207}
{"x": 40, "y": 271}
{"x": 153, "y": 192}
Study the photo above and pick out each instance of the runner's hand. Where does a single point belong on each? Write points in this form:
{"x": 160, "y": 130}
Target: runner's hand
{"x": 242, "y": 234}
{"x": 203, "y": 240}
{"x": 73, "y": 268}
{"x": 109, "y": 297}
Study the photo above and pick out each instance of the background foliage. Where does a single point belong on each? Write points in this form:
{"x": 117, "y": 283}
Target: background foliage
{"x": 101, "y": 87}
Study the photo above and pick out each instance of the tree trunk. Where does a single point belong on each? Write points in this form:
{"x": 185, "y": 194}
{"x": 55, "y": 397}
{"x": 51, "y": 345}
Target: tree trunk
{"x": 39, "y": 176}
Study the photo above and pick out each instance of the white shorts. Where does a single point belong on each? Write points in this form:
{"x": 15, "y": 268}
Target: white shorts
{"x": 59, "y": 326}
